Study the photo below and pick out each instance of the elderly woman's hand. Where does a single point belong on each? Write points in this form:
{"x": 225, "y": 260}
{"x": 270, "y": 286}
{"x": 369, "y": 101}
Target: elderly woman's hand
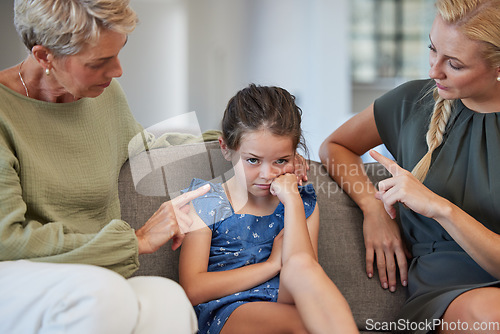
{"x": 171, "y": 221}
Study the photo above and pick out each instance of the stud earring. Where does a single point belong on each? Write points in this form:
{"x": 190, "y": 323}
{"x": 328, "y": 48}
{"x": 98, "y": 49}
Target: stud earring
{"x": 498, "y": 78}
{"x": 47, "y": 71}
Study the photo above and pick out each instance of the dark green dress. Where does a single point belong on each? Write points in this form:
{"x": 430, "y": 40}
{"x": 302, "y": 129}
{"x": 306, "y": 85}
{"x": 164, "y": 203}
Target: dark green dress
{"x": 464, "y": 170}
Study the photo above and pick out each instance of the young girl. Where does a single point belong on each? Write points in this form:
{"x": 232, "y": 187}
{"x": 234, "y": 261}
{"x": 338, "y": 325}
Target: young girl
{"x": 250, "y": 263}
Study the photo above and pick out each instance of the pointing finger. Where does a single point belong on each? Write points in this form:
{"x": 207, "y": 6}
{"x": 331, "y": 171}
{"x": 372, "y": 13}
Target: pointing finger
{"x": 389, "y": 164}
{"x": 190, "y": 195}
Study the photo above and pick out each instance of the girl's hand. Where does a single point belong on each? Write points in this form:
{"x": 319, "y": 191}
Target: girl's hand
{"x": 403, "y": 187}
{"x": 171, "y": 221}
{"x": 285, "y": 187}
{"x": 275, "y": 258}
{"x": 300, "y": 168}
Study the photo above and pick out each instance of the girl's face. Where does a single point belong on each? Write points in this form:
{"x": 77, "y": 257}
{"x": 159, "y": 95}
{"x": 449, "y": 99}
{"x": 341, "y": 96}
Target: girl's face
{"x": 263, "y": 157}
{"x": 458, "y": 68}
{"x": 89, "y": 72}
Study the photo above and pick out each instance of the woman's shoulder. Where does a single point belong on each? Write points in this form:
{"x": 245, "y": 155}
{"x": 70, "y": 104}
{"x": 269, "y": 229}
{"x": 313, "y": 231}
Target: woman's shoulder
{"x": 410, "y": 90}
{"x": 394, "y": 108}
{"x": 413, "y": 85}
{"x": 8, "y": 76}
{"x": 9, "y": 79}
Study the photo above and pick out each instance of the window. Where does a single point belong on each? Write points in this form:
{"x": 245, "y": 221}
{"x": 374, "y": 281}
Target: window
{"x": 390, "y": 39}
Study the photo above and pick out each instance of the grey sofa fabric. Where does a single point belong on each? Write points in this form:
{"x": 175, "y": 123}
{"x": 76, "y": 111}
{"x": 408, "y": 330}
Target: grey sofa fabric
{"x": 151, "y": 178}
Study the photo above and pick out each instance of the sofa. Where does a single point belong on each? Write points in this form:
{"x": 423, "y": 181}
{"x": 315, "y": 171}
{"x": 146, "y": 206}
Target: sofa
{"x": 152, "y": 177}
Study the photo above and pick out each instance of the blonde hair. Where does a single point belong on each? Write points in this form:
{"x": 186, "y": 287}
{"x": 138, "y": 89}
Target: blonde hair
{"x": 65, "y": 26}
{"x": 478, "y": 21}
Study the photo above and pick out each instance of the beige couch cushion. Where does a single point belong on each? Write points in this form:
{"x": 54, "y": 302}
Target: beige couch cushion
{"x": 341, "y": 247}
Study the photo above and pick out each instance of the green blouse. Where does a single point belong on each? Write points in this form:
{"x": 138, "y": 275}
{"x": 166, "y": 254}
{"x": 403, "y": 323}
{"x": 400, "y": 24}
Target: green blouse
{"x": 59, "y": 166}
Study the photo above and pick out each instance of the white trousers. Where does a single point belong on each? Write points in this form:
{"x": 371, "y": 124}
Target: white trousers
{"x": 47, "y": 298}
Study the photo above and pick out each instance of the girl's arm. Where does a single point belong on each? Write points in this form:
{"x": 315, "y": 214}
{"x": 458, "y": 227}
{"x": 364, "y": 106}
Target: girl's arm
{"x": 202, "y": 286}
{"x": 341, "y": 154}
{"x": 300, "y": 234}
{"x": 479, "y": 242}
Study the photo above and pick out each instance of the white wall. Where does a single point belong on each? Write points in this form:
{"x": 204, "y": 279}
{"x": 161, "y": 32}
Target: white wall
{"x": 193, "y": 55}
{"x": 155, "y": 61}
{"x": 301, "y": 45}
{"x": 12, "y": 51}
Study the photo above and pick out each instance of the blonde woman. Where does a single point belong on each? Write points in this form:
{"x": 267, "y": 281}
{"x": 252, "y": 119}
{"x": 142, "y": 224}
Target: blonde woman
{"x": 64, "y": 131}
{"x": 446, "y": 131}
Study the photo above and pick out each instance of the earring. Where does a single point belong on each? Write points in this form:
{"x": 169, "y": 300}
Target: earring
{"x": 498, "y": 78}
{"x": 47, "y": 71}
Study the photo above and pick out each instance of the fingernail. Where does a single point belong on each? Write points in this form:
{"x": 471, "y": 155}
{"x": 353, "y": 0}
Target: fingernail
{"x": 385, "y": 285}
{"x": 405, "y": 283}
{"x": 392, "y": 289}
{"x": 370, "y": 275}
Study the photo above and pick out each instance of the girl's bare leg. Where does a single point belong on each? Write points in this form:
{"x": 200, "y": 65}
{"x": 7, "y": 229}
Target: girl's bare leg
{"x": 263, "y": 318}
{"x": 308, "y": 302}
{"x": 320, "y": 304}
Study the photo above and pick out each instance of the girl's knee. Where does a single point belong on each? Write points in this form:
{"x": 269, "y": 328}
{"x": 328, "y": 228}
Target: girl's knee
{"x": 300, "y": 261}
{"x": 301, "y": 267}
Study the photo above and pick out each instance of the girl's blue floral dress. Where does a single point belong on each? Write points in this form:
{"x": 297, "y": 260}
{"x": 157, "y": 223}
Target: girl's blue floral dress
{"x": 238, "y": 240}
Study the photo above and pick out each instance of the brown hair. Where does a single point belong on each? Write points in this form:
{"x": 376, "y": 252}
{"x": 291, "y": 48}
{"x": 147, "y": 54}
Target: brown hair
{"x": 262, "y": 107}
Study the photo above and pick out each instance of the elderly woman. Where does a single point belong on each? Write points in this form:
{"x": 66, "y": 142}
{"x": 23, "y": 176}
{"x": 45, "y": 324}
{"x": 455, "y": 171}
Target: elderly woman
{"x": 65, "y": 128}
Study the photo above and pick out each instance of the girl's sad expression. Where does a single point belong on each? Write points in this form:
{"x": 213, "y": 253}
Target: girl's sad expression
{"x": 263, "y": 156}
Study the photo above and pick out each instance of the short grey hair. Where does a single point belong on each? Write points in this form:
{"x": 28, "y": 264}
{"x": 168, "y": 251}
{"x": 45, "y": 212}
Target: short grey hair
{"x": 65, "y": 26}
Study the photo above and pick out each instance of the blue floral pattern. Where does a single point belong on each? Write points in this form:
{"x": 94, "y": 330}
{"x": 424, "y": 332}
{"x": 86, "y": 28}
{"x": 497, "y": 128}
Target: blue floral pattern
{"x": 238, "y": 240}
